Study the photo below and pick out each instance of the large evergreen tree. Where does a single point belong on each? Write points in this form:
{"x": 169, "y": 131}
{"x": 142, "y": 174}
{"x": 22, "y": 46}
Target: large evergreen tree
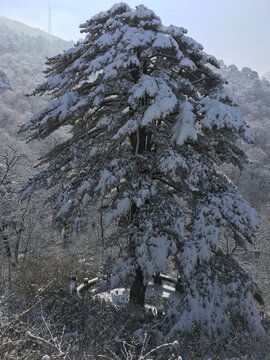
{"x": 150, "y": 125}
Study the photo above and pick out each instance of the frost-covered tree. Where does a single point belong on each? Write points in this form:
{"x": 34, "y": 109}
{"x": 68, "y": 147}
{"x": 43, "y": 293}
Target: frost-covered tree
{"x": 150, "y": 125}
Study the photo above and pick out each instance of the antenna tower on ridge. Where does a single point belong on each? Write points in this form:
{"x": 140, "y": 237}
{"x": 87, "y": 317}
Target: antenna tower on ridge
{"x": 50, "y": 18}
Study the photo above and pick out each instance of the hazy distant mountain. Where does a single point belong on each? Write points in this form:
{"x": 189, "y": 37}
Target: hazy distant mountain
{"x": 21, "y": 27}
{"x": 250, "y": 92}
{"x": 18, "y": 37}
{"x": 267, "y": 76}
{"x": 23, "y": 52}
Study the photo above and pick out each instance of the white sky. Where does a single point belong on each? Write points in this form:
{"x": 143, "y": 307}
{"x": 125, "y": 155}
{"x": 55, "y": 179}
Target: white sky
{"x": 237, "y": 31}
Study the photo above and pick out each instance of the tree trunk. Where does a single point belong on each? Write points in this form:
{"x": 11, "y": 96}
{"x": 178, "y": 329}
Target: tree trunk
{"x": 137, "y": 289}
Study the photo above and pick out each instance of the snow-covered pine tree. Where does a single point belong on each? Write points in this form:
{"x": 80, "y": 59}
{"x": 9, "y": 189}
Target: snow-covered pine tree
{"x": 151, "y": 123}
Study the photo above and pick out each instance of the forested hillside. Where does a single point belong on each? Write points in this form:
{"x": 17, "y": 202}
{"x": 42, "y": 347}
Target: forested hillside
{"x": 253, "y": 97}
{"x": 23, "y": 52}
{"x": 34, "y": 256}
{"x": 23, "y": 227}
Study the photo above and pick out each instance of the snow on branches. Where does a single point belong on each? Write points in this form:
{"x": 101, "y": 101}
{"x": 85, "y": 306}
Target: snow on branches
{"x": 150, "y": 125}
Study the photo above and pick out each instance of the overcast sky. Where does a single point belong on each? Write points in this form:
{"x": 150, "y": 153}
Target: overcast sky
{"x": 237, "y": 31}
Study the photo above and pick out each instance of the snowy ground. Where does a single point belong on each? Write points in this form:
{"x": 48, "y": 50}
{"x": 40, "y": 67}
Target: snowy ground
{"x": 156, "y": 296}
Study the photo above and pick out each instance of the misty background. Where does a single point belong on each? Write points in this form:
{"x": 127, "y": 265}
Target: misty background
{"x": 236, "y": 31}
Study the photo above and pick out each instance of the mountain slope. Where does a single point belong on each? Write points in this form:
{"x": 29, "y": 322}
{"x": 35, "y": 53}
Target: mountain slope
{"x": 253, "y": 97}
{"x": 21, "y": 28}
{"x": 23, "y": 52}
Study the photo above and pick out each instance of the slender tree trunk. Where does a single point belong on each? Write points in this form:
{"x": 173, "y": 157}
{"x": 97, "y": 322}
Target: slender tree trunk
{"x": 137, "y": 289}
{"x": 139, "y": 142}
{"x": 17, "y": 245}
